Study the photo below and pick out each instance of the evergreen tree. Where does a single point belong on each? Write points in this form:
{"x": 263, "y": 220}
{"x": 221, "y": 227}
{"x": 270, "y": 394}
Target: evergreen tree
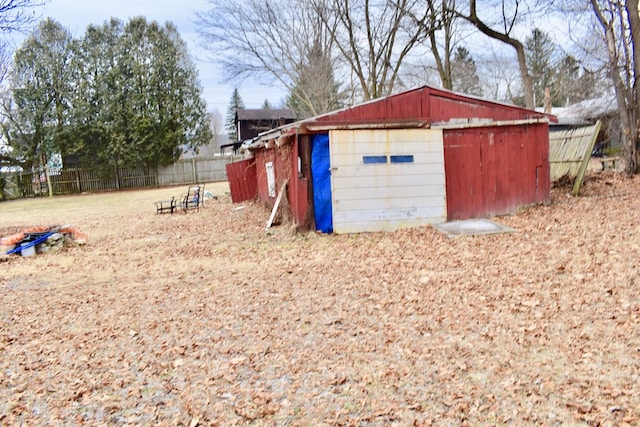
{"x": 572, "y": 83}
{"x": 540, "y": 50}
{"x": 41, "y": 91}
{"x": 464, "y": 76}
{"x": 266, "y": 105}
{"x": 230, "y": 120}
{"x": 136, "y": 99}
{"x": 316, "y": 90}
{"x": 97, "y": 86}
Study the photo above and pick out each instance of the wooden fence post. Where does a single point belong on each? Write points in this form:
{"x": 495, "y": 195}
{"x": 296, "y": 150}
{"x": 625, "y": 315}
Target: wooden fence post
{"x": 117, "y": 177}
{"x": 78, "y": 185}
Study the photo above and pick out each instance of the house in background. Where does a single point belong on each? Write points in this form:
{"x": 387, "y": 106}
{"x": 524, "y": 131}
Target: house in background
{"x": 251, "y": 122}
{"x": 587, "y": 113}
{"x": 423, "y": 156}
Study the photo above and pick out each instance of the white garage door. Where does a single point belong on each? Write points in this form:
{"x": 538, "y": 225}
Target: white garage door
{"x": 382, "y": 180}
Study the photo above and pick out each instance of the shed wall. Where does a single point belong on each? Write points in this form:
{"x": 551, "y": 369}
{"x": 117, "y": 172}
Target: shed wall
{"x": 495, "y": 170}
{"x": 298, "y": 191}
{"x": 443, "y": 109}
{"x": 280, "y": 164}
{"x": 383, "y": 180}
{"x": 242, "y": 180}
{"x": 489, "y": 170}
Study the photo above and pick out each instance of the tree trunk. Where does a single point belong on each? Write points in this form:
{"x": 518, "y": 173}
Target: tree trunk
{"x": 527, "y": 83}
{"x": 632, "y": 7}
{"x": 623, "y": 97}
{"x": 47, "y": 177}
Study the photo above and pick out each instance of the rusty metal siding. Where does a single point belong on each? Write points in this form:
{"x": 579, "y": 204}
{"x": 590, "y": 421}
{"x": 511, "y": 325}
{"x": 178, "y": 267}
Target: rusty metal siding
{"x": 281, "y": 161}
{"x": 463, "y": 181}
{"x": 242, "y": 180}
{"x": 262, "y": 158}
{"x": 403, "y": 184}
{"x": 543, "y": 179}
{"x": 495, "y": 170}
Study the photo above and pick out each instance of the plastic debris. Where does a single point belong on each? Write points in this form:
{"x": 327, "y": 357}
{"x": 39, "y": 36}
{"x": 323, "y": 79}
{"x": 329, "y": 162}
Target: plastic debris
{"x": 43, "y": 238}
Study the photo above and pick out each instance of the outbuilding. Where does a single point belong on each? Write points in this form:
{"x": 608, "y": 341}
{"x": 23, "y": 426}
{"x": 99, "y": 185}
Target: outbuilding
{"x": 419, "y": 157}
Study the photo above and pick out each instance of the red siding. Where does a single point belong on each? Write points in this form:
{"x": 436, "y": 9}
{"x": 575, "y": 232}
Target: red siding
{"x": 489, "y": 170}
{"x": 444, "y": 109}
{"x": 433, "y": 105}
{"x": 495, "y": 170}
{"x": 262, "y": 158}
{"x": 398, "y": 108}
{"x": 242, "y": 180}
{"x": 285, "y": 161}
{"x": 281, "y": 159}
{"x": 298, "y": 187}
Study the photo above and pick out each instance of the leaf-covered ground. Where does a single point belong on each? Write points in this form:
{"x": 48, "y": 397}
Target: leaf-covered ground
{"x": 205, "y": 319}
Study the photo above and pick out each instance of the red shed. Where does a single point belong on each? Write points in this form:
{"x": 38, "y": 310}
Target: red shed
{"x": 423, "y": 156}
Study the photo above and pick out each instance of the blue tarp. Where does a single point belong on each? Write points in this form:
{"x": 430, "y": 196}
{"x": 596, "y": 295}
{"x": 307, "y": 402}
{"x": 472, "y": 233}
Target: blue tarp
{"x": 321, "y": 175}
{"x": 25, "y": 244}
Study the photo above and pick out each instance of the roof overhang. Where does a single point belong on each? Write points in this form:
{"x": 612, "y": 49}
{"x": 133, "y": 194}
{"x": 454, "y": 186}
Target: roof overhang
{"x": 483, "y": 123}
{"x": 326, "y": 126}
{"x": 284, "y": 134}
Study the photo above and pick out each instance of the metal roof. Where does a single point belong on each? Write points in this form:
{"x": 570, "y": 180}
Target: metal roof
{"x": 265, "y": 114}
{"x": 325, "y": 121}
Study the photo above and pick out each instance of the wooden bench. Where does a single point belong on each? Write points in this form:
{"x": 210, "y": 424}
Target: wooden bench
{"x": 609, "y": 162}
{"x": 169, "y": 205}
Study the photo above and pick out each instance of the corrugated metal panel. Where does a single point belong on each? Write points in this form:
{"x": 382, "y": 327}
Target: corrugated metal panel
{"x": 491, "y": 171}
{"x": 389, "y": 195}
{"x": 242, "y": 180}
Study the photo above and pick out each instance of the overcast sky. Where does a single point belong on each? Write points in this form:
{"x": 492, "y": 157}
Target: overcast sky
{"x": 76, "y": 15}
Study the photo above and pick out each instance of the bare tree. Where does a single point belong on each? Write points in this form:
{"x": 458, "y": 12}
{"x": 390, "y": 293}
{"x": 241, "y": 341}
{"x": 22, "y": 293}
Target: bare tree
{"x": 374, "y": 38}
{"x": 4, "y": 63}
{"x": 18, "y": 15}
{"x": 272, "y": 40}
{"x": 464, "y": 77}
{"x": 509, "y": 17}
{"x": 217, "y": 127}
{"x": 316, "y": 90}
{"x": 15, "y": 15}
{"x": 442, "y": 18}
{"x": 620, "y": 24}
{"x": 499, "y": 75}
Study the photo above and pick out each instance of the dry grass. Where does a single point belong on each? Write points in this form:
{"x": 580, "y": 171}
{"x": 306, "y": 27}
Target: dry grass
{"x": 206, "y": 319}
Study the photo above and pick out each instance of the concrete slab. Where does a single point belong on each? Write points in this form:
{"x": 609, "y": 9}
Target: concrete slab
{"x": 472, "y": 227}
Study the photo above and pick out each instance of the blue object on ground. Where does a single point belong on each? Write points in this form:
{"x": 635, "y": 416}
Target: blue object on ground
{"x": 24, "y": 245}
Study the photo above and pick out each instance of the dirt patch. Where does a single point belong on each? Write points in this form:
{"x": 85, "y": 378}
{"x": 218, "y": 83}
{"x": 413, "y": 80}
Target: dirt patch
{"x": 205, "y": 319}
